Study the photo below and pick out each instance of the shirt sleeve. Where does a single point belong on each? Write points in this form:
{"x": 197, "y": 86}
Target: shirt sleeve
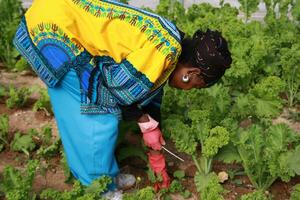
{"x": 132, "y": 79}
{"x": 154, "y": 105}
{"x": 151, "y": 105}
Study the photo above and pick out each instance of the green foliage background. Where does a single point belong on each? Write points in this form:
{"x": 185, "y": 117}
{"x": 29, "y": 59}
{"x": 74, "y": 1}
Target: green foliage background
{"x": 11, "y": 12}
{"x": 263, "y": 79}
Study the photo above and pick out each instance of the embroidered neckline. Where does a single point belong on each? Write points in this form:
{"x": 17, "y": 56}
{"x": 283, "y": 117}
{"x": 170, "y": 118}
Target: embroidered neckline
{"x": 158, "y": 30}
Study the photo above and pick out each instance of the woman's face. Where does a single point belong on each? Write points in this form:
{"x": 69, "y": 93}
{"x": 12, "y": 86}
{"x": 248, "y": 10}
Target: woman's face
{"x": 193, "y": 74}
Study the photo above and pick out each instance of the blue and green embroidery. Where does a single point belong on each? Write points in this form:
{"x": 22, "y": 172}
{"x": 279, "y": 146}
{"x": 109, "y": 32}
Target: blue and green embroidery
{"x": 50, "y": 33}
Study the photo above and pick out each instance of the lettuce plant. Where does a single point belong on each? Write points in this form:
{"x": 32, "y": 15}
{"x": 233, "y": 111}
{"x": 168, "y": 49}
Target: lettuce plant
{"x": 17, "y": 185}
{"x": 17, "y": 97}
{"x": 296, "y": 192}
{"x": 4, "y": 128}
{"x": 187, "y": 134}
{"x": 269, "y": 153}
{"x": 79, "y": 192}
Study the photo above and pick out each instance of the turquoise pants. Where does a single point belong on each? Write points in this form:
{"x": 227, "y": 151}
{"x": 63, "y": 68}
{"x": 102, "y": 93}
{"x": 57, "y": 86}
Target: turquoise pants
{"x": 89, "y": 140}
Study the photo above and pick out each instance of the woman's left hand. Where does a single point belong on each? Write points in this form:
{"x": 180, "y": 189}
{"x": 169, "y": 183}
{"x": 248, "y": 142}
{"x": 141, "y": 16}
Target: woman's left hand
{"x": 151, "y": 133}
{"x": 154, "y": 139}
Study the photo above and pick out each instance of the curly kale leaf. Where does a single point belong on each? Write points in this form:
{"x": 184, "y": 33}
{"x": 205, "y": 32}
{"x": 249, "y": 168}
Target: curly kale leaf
{"x": 268, "y": 154}
{"x": 17, "y": 185}
{"x": 262, "y": 101}
{"x": 248, "y": 7}
{"x": 296, "y": 192}
{"x": 290, "y": 60}
{"x": 23, "y": 143}
{"x": 181, "y": 135}
{"x": 98, "y": 186}
{"x": 200, "y": 124}
{"x": 250, "y": 144}
{"x": 146, "y": 193}
{"x": 91, "y": 192}
{"x": 268, "y": 88}
{"x": 217, "y": 138}
{"x": 296, "y": 10}
{"x": 43, "y": 103}
{"x": 282, "y": 160}
{"x": 208, "y": 186}
{"x": 267, "y": 102}
{"x": 17, "y": 97}
{"x": 257, "y": 195}
{"x": 4, "y": 128}
{"x": 228, "y": 154}
{"x": 52, "y": 194}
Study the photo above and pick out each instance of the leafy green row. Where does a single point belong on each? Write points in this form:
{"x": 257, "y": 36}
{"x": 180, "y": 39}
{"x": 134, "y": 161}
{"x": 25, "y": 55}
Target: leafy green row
{"x": 233, "y": 120}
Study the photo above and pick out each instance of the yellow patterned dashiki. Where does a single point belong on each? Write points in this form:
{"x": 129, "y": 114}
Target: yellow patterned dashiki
{"x": 108, "y": 28}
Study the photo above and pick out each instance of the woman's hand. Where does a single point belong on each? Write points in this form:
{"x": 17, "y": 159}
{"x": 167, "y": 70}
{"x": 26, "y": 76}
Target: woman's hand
{"x": 151, "y": 133}
{"x": 157, "y": 163}
{"x": 154, "y": 139}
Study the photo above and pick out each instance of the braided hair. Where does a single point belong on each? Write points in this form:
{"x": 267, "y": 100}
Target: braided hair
{"x": 209, "y": 52}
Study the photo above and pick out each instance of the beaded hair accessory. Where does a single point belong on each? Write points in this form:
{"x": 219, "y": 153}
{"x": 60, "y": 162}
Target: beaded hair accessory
{"x": 211, "y": 55}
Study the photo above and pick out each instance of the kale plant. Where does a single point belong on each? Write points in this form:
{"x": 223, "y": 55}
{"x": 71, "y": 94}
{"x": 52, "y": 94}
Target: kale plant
{"x": 290, "y": 61}
{"x": 269, "y": 153}
{"x": 257, "y": 195}
{"x": 17, "y": 185}
{"x": 296, "y": 192}
{"x": 80, "y": 192}
{"x": 11, "y": 12}
{"x": 24, "y": 142}
{"x": 146, "y": 193}
{"x": 43, "y": 103}
{"x": 261, "y": 102}
{"x": 17, "y": 97}
{"x": 4, "y": 128}
{"x": 197, "y": 129}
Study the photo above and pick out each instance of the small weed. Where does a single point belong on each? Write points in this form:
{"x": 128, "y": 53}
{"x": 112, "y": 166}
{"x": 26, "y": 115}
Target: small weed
{"x": 17, "y": 97}
{"x": 4, "y": 128}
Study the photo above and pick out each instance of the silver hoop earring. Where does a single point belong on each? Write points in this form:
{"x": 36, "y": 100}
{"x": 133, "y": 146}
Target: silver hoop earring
{"x": 185, "y": 78}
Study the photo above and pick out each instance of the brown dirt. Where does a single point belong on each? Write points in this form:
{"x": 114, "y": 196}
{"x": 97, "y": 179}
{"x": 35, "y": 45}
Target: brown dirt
{"x": 284, "y": 118}
{"x": 21, "y": 79}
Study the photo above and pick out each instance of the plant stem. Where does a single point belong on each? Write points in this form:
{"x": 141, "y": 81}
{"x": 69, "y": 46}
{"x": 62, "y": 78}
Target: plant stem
{"x": 3, "y": 140}
{"x": 269, "y": 183}
{"x": 208, "y": 166}
{"x": 197, "y": 164}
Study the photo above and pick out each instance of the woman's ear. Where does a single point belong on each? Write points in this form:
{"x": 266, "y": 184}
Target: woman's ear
{"x": 194, "y": 70}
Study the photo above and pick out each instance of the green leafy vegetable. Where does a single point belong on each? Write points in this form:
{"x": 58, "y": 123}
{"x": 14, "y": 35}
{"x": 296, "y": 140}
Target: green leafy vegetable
{"x": 296, "y": 192}
{"x": 208, "y": 186}
{"x": 248, "y": 7}
{"x": 43, "y": 103}
{"x": 17, "y": 97}
{"x": 23, "y": 143}
{"x": 17, "y": 185}
{"x": 266, "y": 154}
{"x": 10, "y": 15}
{"x": 146, "y": 193}
{"x": 4, "y": 128}
{"x": 291, "y": 71}
{"x": 258, "y": 195}
{"x": 91, "y": 192}
{"x": 179, "y": 174}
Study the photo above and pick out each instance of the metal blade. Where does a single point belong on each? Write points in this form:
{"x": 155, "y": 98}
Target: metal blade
{"x": 172, "y": 153}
